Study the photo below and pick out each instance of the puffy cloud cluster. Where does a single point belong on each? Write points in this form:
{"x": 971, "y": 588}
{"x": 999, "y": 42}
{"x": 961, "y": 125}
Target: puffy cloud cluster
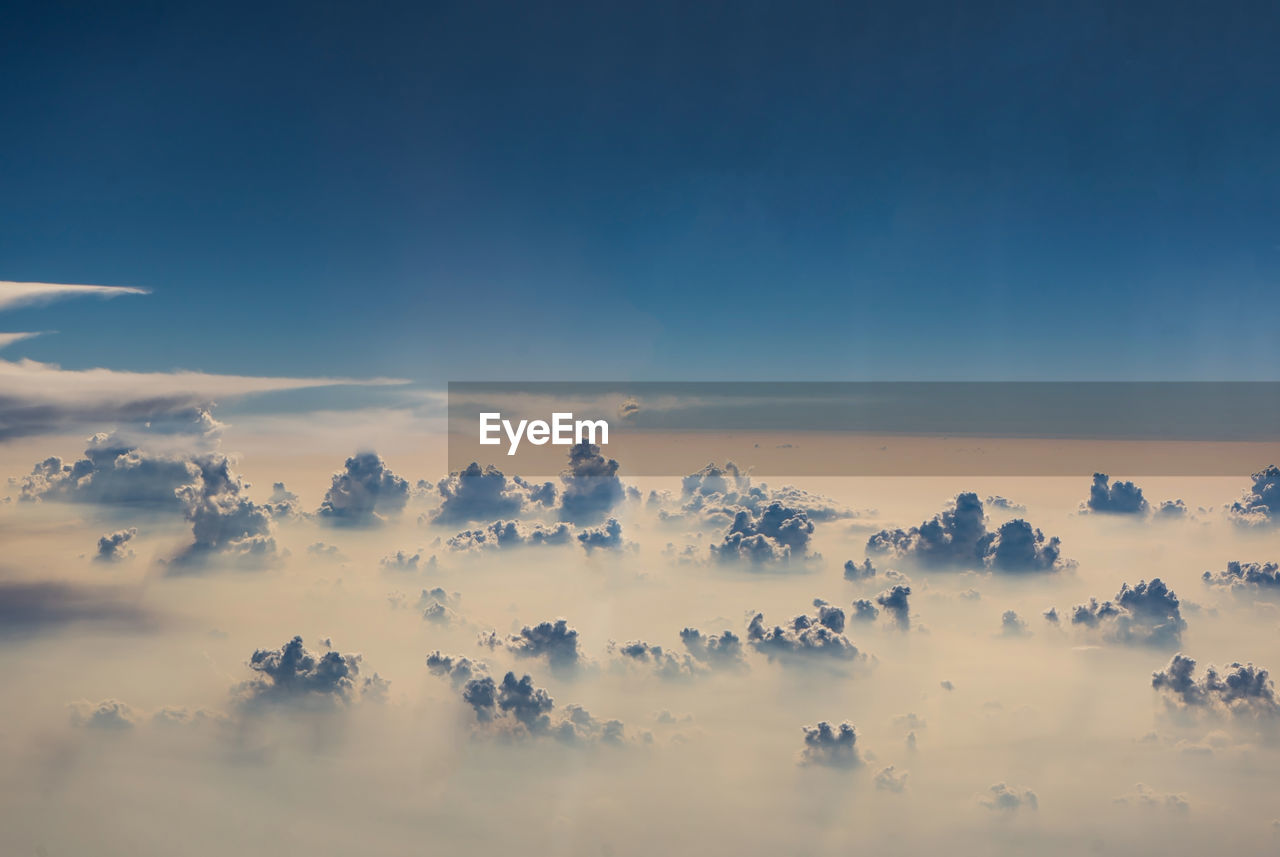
{"x": 1148, "y": 613}
{"x": 591, "y": 485}
{"x": 775, "y": 535}
{"x": 890, "y": 780}
{"x": 1011, "y": 625}
{"x": 959, "y": 536}
{"x": 1242, "y": 690}
{"x": 292, "y": 675}
{"x": 224, "y": 520}
{"x": 607, "y": 536}
{"x": 115, "y": 472}
{"x": 1260, "y": 505}
{"x": 853, "y": 571}
{"x": 1246, "y": 575}
{"x": 109, "y": 715}
{"x": 864, "y": 610}
{"x": 995, "y": 501}
{"x": 1005, "y": 798}
{"x": 805, "y": 636}
{"x": 555, "y": 641}
{"x": 719, "y": 493}
{"x": 407, "y": 562}
{"x": 510, "y": 534}
{"x": 894, "y": 602}
{"x": 113, "y": 547}
{"x": 1117, "y": 498}
{"x": 832, "y": 746}
{"x": 666, "y": 664}
{"x": 718, "y": 651}
{"x": 485, "y": 493}
{"x": 364, "y": 492}
{"x": 516, "y": 707}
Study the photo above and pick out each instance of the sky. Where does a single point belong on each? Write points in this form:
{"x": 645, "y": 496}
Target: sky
{"x": 735, "y": 191}
{"x": 251, "y": 603}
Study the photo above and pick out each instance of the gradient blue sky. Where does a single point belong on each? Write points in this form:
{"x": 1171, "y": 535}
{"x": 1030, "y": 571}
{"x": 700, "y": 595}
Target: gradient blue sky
{"x": 659, "y": 190}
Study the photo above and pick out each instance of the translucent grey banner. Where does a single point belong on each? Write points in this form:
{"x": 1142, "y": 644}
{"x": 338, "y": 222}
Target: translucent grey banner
{"x": 656, "y": 428}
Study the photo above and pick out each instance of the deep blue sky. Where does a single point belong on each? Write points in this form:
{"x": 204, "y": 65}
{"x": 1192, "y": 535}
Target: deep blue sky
{"x": 649, "y": 190}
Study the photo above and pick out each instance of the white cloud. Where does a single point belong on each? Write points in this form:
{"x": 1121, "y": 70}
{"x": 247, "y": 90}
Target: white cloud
{"x": 14, "y": 295}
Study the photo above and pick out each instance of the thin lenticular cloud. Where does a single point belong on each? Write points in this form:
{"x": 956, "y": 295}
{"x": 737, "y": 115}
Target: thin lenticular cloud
{"x": 7, "y": 339}
{"x": 13, "y": 295}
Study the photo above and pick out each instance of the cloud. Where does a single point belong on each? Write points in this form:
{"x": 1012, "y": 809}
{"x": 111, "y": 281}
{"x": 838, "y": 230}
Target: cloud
{"x": 14, "y": 295}
{"x": 28, "y": 608}
{"x": 7, "y": 339}
{"x": 42, "y": 397}
{"x": 831, "y": 746}
{"x": 717, "y": 493}
{"x": 959, "y": 536}
{"x": 804, "y": 637}
{"x": 365, "y": 492}
{"x": 853, "y": 571}
{"x": 606, "y": 537}
{"x": 407, "y": 562}
{"x": 864, "y": 610}
{"x": 997, "y": 502}
{"x": 591, "y": 485}
{"x": 1004, "y": 798}
{"x": 1013, "y": 626}
{"x": 112, "y": 547}
{"x": 1145, "y": 614}
{"x": 1148, "y": 798}
{"x": 1260, "y": 505}
{"x": 718, "y": 651}
{"x": 778, "y": 533}
{"x": 478, "y": 493}
{"x": 1246, "y": 576}
{"x": 666, "y": 664}
{"x": 510, "y": 534}
{"x": 889, "y": 780}
{"x": 458, "y": 670}
{"x": 1171, "y": 509}
{"x": 1119, "y": 498}
{"x": 1243, "y": 690}
{"x": 292, "y": 675}
{"x": 555, "y": 641}
{"x": 894, "y": 601}
{"x": 110, "y": 715}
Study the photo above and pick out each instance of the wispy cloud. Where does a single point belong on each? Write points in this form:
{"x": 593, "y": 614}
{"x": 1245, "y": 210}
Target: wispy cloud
{"x": 7, "y": 339}
{"x": 38, "y": 397}
{"x": 14, "y": 295}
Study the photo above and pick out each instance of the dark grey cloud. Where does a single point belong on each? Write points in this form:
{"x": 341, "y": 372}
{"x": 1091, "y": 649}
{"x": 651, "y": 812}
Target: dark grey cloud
{"x": 364, "y": 492}
{"x": 292, "y": 675}
{"x": 1116, "y": 498}
{"x": 832, "y": 746}
{"x": 607, "y": 536}
{"x": 719, "y": 651}
{"x": 1241, "y": 690}
{"x": 959, "y": 536}
{"x": 1051, "y": 616}
{"x": 864, "y": 610}
{"x": 1260, "y": 505}
{"x": 484, "y": 494}
{"x": 853, "y": 571}
{"x": 113, "y": 547}
{"x": 804, "y": 637}
{"x": 1171, "y": 509}
{"x": 1147, "y": 614}
{"x": 555, "y": 641}
{"x": 224, "y": 522}
{"x": 591, "y": 485}
{"x": 38, "y": 607}
{"x": 1246, "y": 576}
{"x": 1005, "y": 798}
{"x": 776, "y": 535}
{"x": 895, "y": 603}
{"x": 501, "y": 535}
{"x": 457, "y": 669}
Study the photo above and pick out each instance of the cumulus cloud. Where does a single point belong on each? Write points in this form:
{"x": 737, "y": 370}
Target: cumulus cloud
{"x": 1004, "y": 503}
{"x": 591, "y": 485}
{"x": 717, "y": 494}
{"x": 113, "y": 547}
{"x": 831, "y": 746}
{"x": 1242, "y": 690}
{"x": 1117, "y": 498}
{"x": 1148, "y": 798}
{"x": 959, "y": 536}
{"x": 407, "y": 562}
{"x": 665, "y": 664}
{"x": 555, "y": 641}
{"x": 864, "y": 610}
{"x": 1260, "y": 505}
{"x": 1005, "y": 798}
{"x": 485, "y": 493}
{"x": 458, "y": 670}
{"x": 510, "y": 534}
{"x": 1148, "y": 613}
{"x": 718, "y": 651}
{"x": 292, "y": 675}
{"x": 894, "y": 602}
{"x": 223, "y": 520}
{"x": 364, "y": 492}
{"x": 853, "y": 571}
{"x": 777, "y": 534}
{"x": 606, "y": 537}
{"x": 1011, "y": 625}
{"x": 804, "y": 637}
{"x": 1246, "y": 576}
